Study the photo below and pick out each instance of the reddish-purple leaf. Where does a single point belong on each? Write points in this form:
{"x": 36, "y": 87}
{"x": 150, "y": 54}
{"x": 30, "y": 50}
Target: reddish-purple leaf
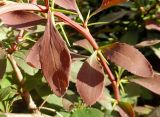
{"x": 84, "y": 44}
{"x": 152, "y": 25}
{"x": 19, "y": 7}
{"x": 21, "y": 19}
{"x": 108, "y": 3}
{"x": 90, "y": 80}
{"x": 152, "y": 83}
{"x": 77, "y": 57}
{"x": 148, "y": 43}
{"x": 33, "y": 56}
{"x": 69, "y": 4}
{"x": 55, "y": 59}
{"x": 129, "y": 58}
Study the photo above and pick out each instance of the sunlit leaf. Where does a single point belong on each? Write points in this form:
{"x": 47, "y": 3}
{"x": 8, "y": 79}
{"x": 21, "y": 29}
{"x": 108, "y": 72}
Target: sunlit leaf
{"x": 55, "y": 59}
{"x": 20, "y": 57}
{"x": 34, "y": 53}
{"x": 129, "y": 58}
{"x": 19, "y": 7}
{"x": 77, "y": 57}
{"x": 87, "y": 112}
{"x": 105, "y": 100}
{"x": 152, "y": 25}
{"x": 148, "y": 43}
{"x": 155, "y": 112}
{"x": 84, "y": 44}
{"x": 151, "y": 83}
{"x": 4, "y": 93}
{"x": 90, "y": 80}
{"x": 21, "y": 19}
{"x": 142, "y": 110}
{"x": 69, "y": 4}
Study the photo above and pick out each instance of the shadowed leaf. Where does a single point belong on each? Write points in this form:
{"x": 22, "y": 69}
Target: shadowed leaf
{"x": 3, "y": 62}
{"x": 90, "y": 80}
{"x": 127, "y": 107}
{"x": 129, "y": 58}
{"x": 33, "y": 56}
{"x": 84, "y": 44}
{"x": 149, "y": 83}
{"x": 55, "y": 59}
{"x": 21, "y": 19}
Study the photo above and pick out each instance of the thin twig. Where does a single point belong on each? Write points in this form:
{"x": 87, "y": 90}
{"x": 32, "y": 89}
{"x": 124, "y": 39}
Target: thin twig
{"x": 44, "y": 102}
{"x": 52, "y": 110}
{"x": 25, "y": 95}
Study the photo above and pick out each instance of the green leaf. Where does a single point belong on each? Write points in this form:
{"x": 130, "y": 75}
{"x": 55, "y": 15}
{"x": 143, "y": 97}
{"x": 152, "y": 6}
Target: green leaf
{"x": 130, "y": 37}
{"x": 4, "y": 93}
{"x": 105, "y": 100}
{"x": 20, "y": 57}
{"x": 75, "y": 67}
{"x": 44, "y": 91}
{"x": 2, "y": 115}
{"x": 3, "y": 62}
{"x": 127, "y": 107}
{"x": 6, "y": 81}
{"x": 87, "y": 112}
{"x": 3, "y": 33}
{"x": 150, "y": 83}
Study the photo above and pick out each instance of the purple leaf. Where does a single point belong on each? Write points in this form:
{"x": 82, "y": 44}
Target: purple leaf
{"x": 108, "y": 3}
{"x": 84, "y": 44}
{"x": 152, "y": 25}
{"x": 147, "y": 43}
{"x": 55, "y": 59}
{"x": 129, "y": 58}
{"x": 20, "y": 7}
{"x": 151, "y": 83}
{"x": 21, "y": 19}
{"x": 69, "y": 4}
{"x": 33, "y": 56}
{"x": 90, "y": 80}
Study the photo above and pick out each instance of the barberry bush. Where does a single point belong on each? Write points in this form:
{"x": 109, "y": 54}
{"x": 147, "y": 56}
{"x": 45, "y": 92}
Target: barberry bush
{"x": 68, "y": 58}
